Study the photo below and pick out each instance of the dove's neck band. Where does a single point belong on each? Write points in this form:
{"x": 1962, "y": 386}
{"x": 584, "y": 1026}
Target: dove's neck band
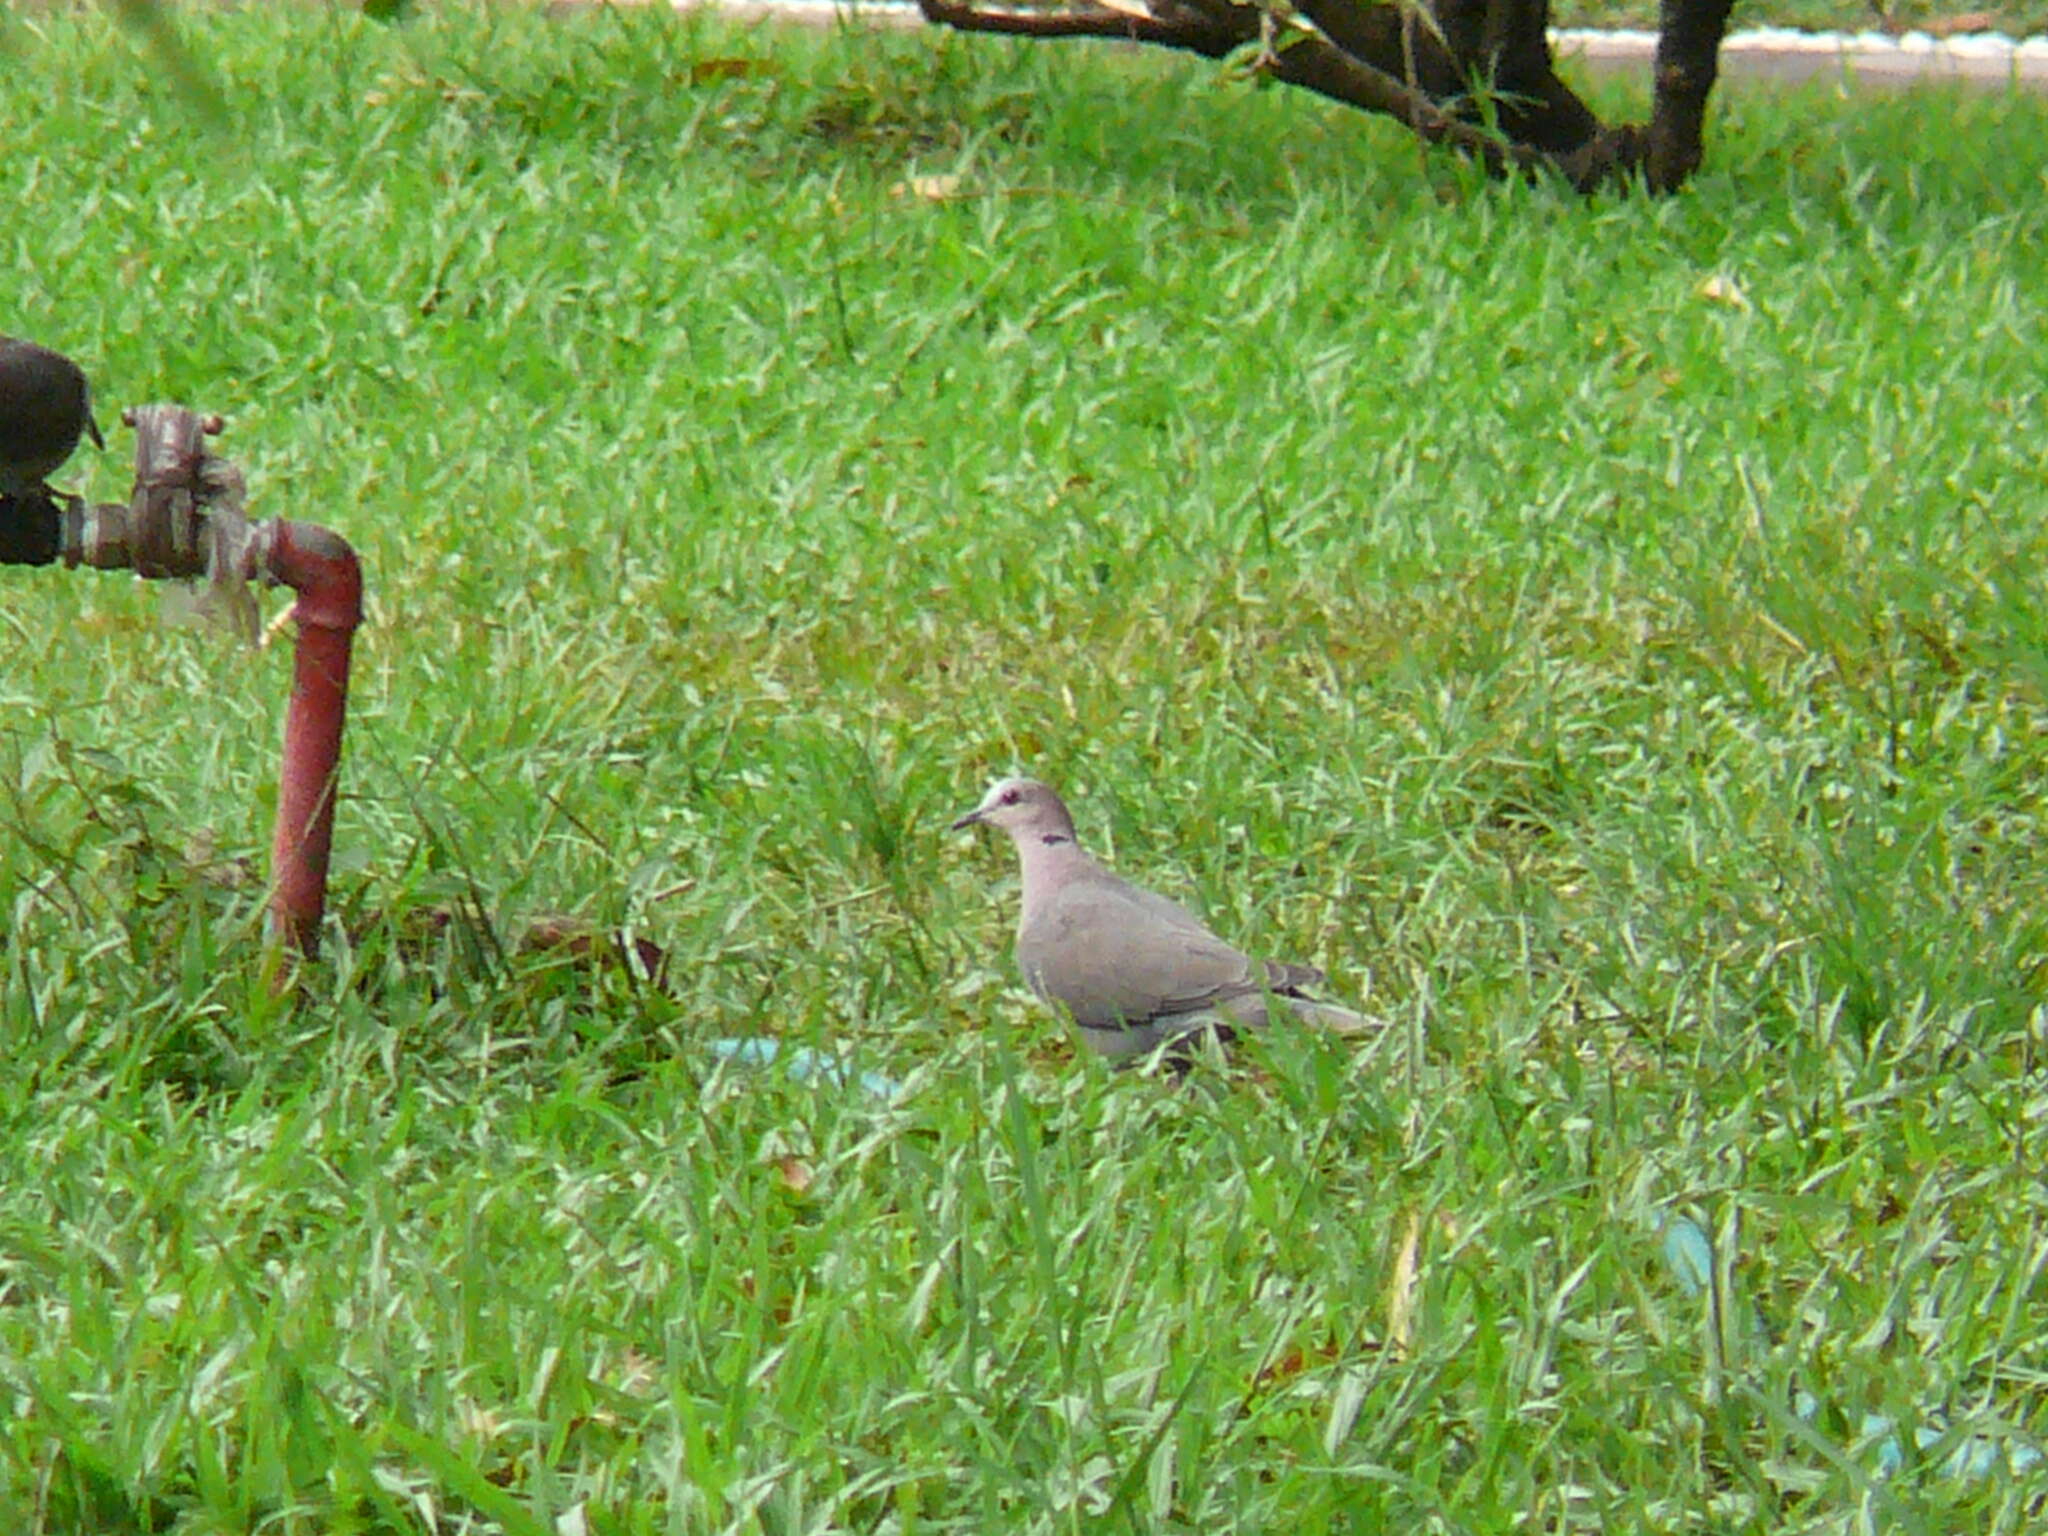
{"x": 1055, "y": 839}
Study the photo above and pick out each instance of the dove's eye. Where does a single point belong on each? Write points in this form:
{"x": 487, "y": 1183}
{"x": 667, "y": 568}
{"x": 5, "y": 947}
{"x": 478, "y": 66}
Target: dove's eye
{"x": 1012, "y": 796}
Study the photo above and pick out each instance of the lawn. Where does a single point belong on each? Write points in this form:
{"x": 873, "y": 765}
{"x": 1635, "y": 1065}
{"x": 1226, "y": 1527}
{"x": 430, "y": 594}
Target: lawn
{"x": 1606, "y": 635}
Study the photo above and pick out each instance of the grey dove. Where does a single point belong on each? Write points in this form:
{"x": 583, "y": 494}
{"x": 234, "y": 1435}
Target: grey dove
{"x": 1132, "y": 970}
{"x": 45, "y": 406}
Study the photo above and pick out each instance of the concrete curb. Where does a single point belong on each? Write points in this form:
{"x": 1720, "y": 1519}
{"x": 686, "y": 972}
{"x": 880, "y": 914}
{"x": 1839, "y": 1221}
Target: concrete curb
{"x": 1773, "y": 55}
{"x": 1779, "y": 55}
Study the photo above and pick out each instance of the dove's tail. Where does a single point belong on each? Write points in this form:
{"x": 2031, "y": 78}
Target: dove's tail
{"x": 1339, "y": 1021}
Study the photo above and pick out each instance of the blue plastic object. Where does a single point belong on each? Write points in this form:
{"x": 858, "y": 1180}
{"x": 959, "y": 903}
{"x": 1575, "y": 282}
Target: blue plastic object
{"x": 1689, "y": 1255}
{"x": 803, "y": 1063}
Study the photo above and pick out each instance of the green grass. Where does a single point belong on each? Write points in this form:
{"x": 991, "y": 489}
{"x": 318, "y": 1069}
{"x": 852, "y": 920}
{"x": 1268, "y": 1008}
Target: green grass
{"x": 1638, "y": 696}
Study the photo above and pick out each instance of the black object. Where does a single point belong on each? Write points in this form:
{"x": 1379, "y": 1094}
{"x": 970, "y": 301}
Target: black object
{"x": 45, "y": 406}
{"x": 31, "y": 529}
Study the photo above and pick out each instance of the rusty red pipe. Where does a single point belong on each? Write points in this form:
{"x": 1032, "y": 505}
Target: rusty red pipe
{"x": 322, "y": 569}
{"x": 186, "y": 500}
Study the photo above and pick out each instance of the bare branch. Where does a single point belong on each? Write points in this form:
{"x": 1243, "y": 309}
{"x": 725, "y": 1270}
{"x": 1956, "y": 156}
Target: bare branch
{"x": 1180, "y": 28}
{"x": 1435, "y": 65}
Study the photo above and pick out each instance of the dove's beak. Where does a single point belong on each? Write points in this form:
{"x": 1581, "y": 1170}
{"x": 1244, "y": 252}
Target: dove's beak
{"x": 972, "y": 818}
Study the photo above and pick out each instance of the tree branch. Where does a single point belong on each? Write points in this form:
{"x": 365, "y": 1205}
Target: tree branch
{"x": 1216, "y": 28}
{"x": 1434, "y": 73}
{"x": 1179, "y": 27}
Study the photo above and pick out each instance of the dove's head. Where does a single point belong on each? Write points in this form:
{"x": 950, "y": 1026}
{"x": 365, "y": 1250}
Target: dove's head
{"x": 1026, "y": 809}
